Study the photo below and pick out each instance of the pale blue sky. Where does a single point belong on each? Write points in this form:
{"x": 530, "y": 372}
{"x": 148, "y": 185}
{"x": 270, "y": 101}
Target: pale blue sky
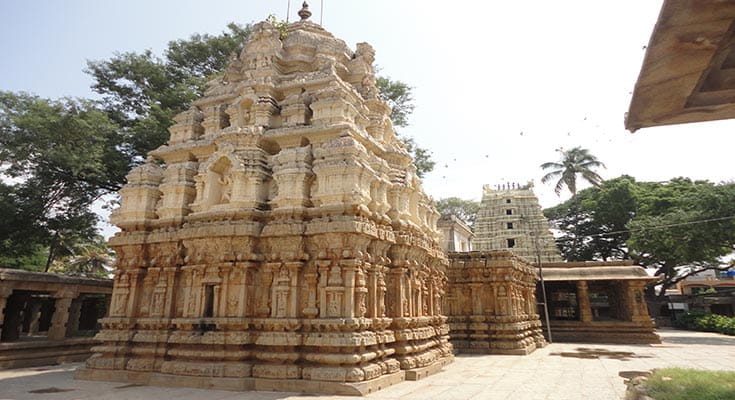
{"x": 483, "y": 72}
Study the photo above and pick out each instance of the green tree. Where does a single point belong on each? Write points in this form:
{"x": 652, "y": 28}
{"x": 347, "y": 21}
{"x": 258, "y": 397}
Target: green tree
{"x": 142, "y": 92}
{"x": 466, "y": 210}
{"x": 62, "y": 155}
{"x": 678, "y": 227}
{"x": 688, "y": 228}
{"x": 573, "y": 162}
{"x": 91, "y": 258}
{"x": 398, "y": 95}
{"x": 593, "y": 223}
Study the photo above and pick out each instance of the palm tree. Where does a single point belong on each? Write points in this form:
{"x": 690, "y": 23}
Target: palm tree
{"x": 90, "y": 259}
{"x": 573, "y": 162}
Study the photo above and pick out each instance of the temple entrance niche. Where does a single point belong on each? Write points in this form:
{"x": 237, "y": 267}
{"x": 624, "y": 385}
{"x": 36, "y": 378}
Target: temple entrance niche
{"x": 219, "y": 182}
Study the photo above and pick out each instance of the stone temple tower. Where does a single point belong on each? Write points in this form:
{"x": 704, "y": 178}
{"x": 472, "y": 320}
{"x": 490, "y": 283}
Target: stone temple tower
{"x": 510, "y": 218}
{"x": 281, "y": 239}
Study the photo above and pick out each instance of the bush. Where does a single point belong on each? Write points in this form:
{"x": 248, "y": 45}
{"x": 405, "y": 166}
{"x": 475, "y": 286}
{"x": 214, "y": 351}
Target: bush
{"x": 703, "y": 321}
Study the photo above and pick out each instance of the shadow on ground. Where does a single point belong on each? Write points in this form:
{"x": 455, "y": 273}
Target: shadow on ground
{"x": 597, "y": 353}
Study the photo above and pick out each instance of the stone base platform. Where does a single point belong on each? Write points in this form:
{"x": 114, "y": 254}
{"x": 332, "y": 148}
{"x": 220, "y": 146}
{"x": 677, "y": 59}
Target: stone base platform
{"x": 603, "y": 332}
{"x": 421, "y": 373}
{"x": 468, "y": 347}
{"x": 244, "y": 384}
{"x": 34, "y": 353}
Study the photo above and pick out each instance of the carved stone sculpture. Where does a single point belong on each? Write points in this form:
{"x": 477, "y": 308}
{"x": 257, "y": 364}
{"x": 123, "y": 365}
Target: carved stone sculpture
{"x": 281, "y": 239}
{"x": 492, "y": 303}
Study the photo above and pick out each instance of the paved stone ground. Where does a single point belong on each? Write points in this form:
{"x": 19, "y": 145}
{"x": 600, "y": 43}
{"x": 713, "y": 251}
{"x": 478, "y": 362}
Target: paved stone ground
{"x": 560, "y": 371}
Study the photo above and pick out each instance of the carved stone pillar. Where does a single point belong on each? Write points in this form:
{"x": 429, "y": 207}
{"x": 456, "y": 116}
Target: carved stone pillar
{"x": 57, "y": 331}
{"x": 399, "y": 301}
{"x": 5, "y": 292}
{"x": 323, "y": 266}
{"x": 477, "y": 308}
{"x": 263, "y": 299}
{"x": 243, "y": 295}
{"x": 169, "y": 307}
{"x": 381, "y": 290}
{"x": 72, "y": 326}
{"x": 35, "y": 310}
{"x": 583, "y": 300}
{"x": 348, "y": 266}
{"x": 136, "y": 283}
{"x": 636, "y": 302}
{"x": 293, "y": 302}
{"x": 310, "y": 277}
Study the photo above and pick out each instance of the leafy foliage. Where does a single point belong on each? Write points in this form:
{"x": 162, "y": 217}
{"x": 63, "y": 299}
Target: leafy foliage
{"x": 679, "y": 227}
{"x": 91, "y": 258}
{"x": 705, "y": 321}
{"x": 398, "y": 95}
{"x": 573, "y": 162}
{"x": 62, "y": 155}
{"x": 460, "y": 208}
{"x": 281, "y": 26}
{"x": 59, "y": 156}
{"x": 143, "y": 92}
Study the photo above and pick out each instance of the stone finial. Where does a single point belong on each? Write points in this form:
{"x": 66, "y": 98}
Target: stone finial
{"x": 304, "y": 13}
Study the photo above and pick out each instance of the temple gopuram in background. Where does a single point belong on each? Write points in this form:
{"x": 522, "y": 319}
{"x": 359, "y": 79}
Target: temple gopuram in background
{"x": 510, "y": 217}
{"x": 488, "y": 298}
{"x": 280, "y": 240}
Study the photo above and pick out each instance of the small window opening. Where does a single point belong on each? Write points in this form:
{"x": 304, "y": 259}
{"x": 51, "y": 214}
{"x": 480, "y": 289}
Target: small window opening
{"x": 511, "y": 243}
{"x": 509, "y": 225}
{"x": 507, "y": 201}
{"x": 509, "y": 212}
{"x": 209, "y": 301}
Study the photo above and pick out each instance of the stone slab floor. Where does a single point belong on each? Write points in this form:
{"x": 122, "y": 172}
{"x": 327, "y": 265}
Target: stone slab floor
{"x": 560, "y": 371}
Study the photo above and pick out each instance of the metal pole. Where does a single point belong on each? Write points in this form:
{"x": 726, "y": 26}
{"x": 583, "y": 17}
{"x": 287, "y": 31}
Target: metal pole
{"x": 541, "y": 276}
{"x": 288, "y": 10}
{"x": 543, "y": 289}
{"x": 321, "y": 13}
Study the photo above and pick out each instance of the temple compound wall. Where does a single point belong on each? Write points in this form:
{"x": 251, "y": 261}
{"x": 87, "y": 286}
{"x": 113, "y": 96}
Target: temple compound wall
{"x": 280, "y": 240}
{"x": 491, "y": 303}
{"x": 597, "y": 301}
{"x": 48, "y": 318}
{"x": 510, "y": 217}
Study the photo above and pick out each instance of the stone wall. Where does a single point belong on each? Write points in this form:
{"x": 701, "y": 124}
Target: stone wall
{"x": 491, "y": 304}
{"x": 281, "y": 239}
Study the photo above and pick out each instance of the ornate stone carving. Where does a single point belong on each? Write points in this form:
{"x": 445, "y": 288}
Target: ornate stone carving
{"x": 281, "y": 233}
{"x": 485, "y": 309}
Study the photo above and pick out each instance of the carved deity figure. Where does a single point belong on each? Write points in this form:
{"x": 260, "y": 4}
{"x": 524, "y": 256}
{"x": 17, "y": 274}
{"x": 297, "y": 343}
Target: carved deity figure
{"x": 226, "y": 184}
